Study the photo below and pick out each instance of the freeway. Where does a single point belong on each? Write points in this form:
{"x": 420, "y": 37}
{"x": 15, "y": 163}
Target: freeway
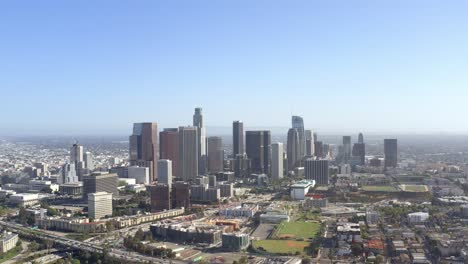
{"x": 81, "y": 245}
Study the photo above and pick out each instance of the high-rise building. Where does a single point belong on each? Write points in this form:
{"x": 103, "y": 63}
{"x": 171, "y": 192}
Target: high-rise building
{"x": 169, "y": 147}
{"x": 215, "y": 154}
{"x": 68, "y": 174}
{"x": 241, "y": 165}
{"x": 88, "y": 160}
{"x": 160, "y": 197}
{"x": 266, "y": 151}
{"x": 165, "y": 172}
{"x": 319, "y": 149}
{"x": 317, "y": 170}
{"x": 99, "y": 205}
{"x": 293, "y": 149}
{"x": 198, "y": 123}
{"x": 310, "y": 146}
{"x": 144, "y": 147}
{"x": 181, "y": 195}
{"x": 188, "y": 153}
{"x": 255, "y": 150}
{"x": 237, "y": 138}
{"x": 346, "y": 149}
{"x": 76, "y": 153}
{"x": 277, "y": 160}
{"x": 391, "y": 152}
{"x": 140, "y": 174}
{"x": 298, "y": 123}
{"x": 98, "y": 182}
{"x": 360, "y": 138}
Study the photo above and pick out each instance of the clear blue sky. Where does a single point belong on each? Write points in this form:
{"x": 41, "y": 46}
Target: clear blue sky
{"x": 97, "y": 66}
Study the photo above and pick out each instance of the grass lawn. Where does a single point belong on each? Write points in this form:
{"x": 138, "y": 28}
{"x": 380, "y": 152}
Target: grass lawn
{"x": 79, "y": 237}
{"x": 10, "y": 254}
{"x": 295, "y": 230}
{"x": 378, "y": 188}
{"x": 414, "y": 188}
{"x": 282, "y": 246}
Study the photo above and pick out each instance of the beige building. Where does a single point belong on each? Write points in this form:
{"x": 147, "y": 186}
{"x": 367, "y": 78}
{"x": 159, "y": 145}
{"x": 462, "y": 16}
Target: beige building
{"x": 99, "y": 205}
{"x": 8, "y": 242}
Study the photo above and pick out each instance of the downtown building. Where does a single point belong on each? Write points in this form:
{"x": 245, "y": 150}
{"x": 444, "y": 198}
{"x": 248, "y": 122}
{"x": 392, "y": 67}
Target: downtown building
{"x": 215, "y": 155}
{"x": 169, "y": 147}
{"x": 188, "y": 153}
{"x": 317, "y": 170}
{"x": 144, "y": 147}
{"x": 277, "y": 153}
{"x": 100, "y": 182}
{"x": 201, "y": 140}
{"x": 99, "y": 205}
{"x": 391, "y": 153}
{"x": 258, "y": 146}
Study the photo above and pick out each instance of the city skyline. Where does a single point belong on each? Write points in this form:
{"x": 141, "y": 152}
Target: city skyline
{"x": 367, "y": 66}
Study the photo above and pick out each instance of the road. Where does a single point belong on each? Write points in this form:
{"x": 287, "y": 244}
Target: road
{"x": 87, "y": 246}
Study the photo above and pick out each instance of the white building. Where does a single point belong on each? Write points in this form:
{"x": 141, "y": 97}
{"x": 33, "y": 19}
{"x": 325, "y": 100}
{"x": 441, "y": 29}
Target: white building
{"x": 277, "y": 160}
{"x": 300, "y": 189}
{"x": 88, "y": 160}
{"x": 24, "y": 199}
{"x": 165, "y": 172}
{"x": 40, "y": 185}
{"x": 99, "y": 205}
{"x": 140, "y": 174}
{"x": 418, "y": 217}
{"x": 8, "y": 242}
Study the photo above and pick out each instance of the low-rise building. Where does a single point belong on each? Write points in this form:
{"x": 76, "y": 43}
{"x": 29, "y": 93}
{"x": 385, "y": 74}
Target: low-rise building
{"x": 235, "y": 241}
{"x": 310, "y": 203}
{"x": 300, "y": 189}
{"x": 24, "y": 199}
{"x": 72, "y": 188}
{"x": 8, "y": 242}
{"x": 418, "y": 217}
{"x": 99, "y": 205}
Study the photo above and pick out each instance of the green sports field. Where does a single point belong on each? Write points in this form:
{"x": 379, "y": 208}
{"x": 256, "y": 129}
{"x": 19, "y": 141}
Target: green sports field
{"x": 297, "y": 230}
{"x": 282, "y": 246}
{"x": 379, "y": 188}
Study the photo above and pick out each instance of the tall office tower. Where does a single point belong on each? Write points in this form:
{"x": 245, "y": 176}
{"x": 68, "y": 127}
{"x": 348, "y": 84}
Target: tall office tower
{"x": 68, "y": 174}
{"x": 165, "y": 172}
{"x": 188, "y": 153}
{"x": 241, "y": 166}
{"x": 310, "y": 146}
{"x": 317, "y": 170}
{"x": 201, "y": 141}
{"x": 391, "y": 152}
{"x": 99, "y": 205}
{"x": 255, "y": 150}
{"x": 169, "y": 147}
{"x": 360, "y": 138}
{"x": 88, "y": 161}
{"x": 98, "y": 182}
{"x": 359, "y": 154}
{"x": 326, "y": 150}
{"x": 215, "y": 155}
{"x": 181, "y": 195}
{"x": 293, "y": 148}
{"x": 160, "y": 197}
{"x": 319, "y": 151}
{"x": 144, "y": 147}
{"x": 76, "y": 154}
{"x": 237, "y": 138}
{"x": 315, "y": 137}
{"x": 346, "y": 149}
{"x": 266, "y": 151}
{"x": 298, "y": 123}
{"x": 277, "y": 160}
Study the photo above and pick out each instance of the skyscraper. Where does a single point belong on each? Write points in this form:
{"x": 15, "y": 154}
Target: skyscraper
{"x": 76, "y": 154}
{"x": 266, "y": 151}
{"x": 298, "y": 123}
{"x": 317, "y": 170}
{"x": 188, "y": 153}
{"x": 391, "y": 152}
{"x": 293, "y": 148}
{"x": 88, "y": 161}
{"x": 169, "y": 147}
{"x": 165, "y": 172}
{"x": 160, "y": 197}
{"x": 144, "y": 147}
{"x": 346, "y": 149}
{"x": 100, "y": 183}
{"x": 255, "y": 150}
{"x": 360, "y": 138}
{"x": 198, "y": 123}
{"x": 68, "y": 174}
{"x": 215, "y": 155}
{"x": 237, "y": 138}
{"x": 319, "y": 149}
{"x": 277, "y": 160}
{"x": 310, "y": 146}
